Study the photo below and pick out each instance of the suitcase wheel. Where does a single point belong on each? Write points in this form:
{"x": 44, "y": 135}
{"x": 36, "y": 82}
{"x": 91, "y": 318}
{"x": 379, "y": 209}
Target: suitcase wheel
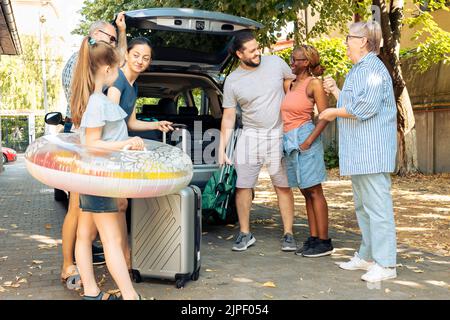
{"x": 179, "y": 283}
{"x": 136, "y": 276}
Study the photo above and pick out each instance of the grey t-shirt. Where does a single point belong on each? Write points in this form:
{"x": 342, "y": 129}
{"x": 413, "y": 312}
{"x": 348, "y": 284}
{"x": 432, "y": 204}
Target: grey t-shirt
{"x": 259, "y": 93}
{"x": 102, "y": 112}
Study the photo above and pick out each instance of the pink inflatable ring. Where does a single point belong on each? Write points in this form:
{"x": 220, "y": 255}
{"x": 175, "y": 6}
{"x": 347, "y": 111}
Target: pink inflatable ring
{"x": 61, "y": 162}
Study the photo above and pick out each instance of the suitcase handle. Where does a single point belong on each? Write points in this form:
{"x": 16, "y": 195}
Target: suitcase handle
{"x": 183, "y": 128}
{"x": 179, "y": 126}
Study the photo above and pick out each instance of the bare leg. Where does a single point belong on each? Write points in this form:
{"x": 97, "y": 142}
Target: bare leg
{"x": 86, "y": 234}
{"x": 111, "y": 235}
{"x": 69, "y": 234}
{"x": 320, "y": 209}
{"x": 286, "y": 205}
{"x": 243, "y": 205}
{"x": 310, "y": 213}
{"x": 122, "y": 207}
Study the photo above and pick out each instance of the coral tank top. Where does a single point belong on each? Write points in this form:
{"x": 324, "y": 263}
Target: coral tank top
{"x": 296, "y": 107}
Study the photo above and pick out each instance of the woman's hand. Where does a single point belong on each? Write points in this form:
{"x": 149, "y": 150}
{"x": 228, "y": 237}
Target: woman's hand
{"x": 328, "y": 114}
{"x": 164, "y": 126}
{"x": 304, "y": 146}
{"x": 136, "y": 143}
{"x": 329, "y": 85}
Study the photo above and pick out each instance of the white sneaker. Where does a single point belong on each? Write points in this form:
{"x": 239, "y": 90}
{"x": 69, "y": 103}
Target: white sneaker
{"x": 356, "y": 263}
{"x": 379, "y": 273}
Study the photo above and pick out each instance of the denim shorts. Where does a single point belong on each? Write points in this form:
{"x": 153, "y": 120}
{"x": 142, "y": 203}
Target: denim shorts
{"x": 97, "y": 204}
{"x": 305, "y": 169}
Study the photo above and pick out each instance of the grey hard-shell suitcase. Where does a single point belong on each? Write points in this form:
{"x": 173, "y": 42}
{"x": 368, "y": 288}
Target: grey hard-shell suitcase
{"x": 166, "y": 235}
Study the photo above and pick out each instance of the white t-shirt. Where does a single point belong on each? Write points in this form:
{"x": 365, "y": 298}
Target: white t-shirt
{"x": 259, "y": 93}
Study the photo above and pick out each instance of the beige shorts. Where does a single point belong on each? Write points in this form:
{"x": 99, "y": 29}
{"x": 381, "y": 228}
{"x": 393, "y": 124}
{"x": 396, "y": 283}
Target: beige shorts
{"x": 251, "y": 153}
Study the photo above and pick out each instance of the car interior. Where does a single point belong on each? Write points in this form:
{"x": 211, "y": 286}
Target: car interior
{"x": 190, "y": 99}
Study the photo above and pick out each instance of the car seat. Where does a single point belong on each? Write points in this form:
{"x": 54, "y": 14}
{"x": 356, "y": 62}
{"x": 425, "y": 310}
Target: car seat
{"x": 187, "y": 111}
{"x": 167, "y": 106}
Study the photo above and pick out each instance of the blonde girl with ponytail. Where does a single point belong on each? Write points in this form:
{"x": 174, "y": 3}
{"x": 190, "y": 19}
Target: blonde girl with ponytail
{"x": 102, "y": 125}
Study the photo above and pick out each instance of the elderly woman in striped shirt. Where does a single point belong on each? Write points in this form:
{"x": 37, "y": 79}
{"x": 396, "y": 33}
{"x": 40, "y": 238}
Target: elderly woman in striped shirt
{"x": 367, "y": 122}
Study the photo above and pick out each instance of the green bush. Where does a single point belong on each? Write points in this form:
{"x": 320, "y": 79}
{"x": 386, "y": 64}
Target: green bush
{"x": 331, "y": 157}
{"x": 332, "y": 56}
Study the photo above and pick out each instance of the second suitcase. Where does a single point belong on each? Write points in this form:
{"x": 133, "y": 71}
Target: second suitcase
{"x": 166, "y": 235}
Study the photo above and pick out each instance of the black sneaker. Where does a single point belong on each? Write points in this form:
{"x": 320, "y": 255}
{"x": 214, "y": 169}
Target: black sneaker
{"x": 309, "y": 243}
{"x": 321, "y": 248}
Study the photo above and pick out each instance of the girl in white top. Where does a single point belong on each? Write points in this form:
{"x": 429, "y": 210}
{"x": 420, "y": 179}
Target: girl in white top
{"x": 102, "y": 125}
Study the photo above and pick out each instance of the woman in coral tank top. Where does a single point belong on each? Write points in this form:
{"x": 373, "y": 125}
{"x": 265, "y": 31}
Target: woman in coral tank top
{"x": 303, "y": 145}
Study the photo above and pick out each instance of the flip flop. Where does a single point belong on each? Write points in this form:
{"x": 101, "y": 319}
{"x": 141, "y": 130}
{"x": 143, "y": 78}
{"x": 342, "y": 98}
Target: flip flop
{"x": 73, "y": 282}
{"x": 101, "y": 295}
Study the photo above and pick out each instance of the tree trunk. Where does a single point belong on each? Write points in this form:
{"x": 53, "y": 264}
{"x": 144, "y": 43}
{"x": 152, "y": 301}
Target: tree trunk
{"x": 391, "y": 23}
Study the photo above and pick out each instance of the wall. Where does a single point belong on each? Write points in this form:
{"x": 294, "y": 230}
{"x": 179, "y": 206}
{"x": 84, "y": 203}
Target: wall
{"x": 430, "y": 96}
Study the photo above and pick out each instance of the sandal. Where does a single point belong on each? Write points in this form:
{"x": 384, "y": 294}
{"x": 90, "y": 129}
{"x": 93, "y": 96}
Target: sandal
{"x": 73, "y": 281}
{"x": 101, "y": 296}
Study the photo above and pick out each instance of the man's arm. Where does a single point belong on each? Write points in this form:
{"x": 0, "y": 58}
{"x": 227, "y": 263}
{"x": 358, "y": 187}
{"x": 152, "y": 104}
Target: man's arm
{"x": 226, "y": 128}
{"x": 122, "y": 45}
{"x": 287, "y": 84}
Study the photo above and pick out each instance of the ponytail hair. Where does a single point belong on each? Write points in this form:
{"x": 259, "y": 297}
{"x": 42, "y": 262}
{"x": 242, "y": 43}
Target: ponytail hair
{"x": 92, "y": 55}
{"x": 312, "y": 55}
{"x": 372, "y": 31}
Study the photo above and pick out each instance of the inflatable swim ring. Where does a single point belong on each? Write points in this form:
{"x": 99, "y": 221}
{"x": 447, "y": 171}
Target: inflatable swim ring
{"x": 61, "y": 162}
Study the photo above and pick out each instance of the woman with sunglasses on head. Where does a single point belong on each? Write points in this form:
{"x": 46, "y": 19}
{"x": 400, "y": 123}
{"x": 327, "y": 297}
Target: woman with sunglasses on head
{"x": 124, "y": 92}
{"x": 303, "y": 146}
{"x": 367, "y": 120}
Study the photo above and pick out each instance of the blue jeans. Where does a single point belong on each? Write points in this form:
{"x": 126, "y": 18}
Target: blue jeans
{"x": 375, "y": 214}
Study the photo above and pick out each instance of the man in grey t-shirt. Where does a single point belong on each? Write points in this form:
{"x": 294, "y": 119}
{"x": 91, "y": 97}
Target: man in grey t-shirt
{"x": 257, "y": 87}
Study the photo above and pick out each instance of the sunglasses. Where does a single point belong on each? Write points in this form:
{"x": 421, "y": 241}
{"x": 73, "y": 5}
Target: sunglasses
{"x": 112, "y": 39}
{"x": 350, "y": 36}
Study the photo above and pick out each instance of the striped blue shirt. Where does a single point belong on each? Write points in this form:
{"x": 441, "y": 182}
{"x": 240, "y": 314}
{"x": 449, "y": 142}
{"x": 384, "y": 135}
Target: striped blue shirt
{"x": 367, "y": 144}
{"x": 67, "y": 79}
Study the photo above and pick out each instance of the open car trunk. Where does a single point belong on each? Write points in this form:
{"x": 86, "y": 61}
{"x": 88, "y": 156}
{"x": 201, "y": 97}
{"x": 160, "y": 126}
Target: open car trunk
{"x": 203, "y": 122}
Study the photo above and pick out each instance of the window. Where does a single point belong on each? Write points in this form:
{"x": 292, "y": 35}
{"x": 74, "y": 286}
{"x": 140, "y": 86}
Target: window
{"x": 145, "y": 100}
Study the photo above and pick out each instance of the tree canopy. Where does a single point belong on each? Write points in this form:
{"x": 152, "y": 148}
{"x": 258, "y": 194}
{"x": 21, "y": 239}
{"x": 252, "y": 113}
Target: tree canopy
{"x": 21, "y": 78}
{"x": 276, "y": 14}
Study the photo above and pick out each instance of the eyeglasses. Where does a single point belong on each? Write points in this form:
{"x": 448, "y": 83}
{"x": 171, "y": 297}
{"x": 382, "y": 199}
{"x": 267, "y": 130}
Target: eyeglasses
{"x": 297, "y": 59}
{"x": 350, "y": 36}
{"x": 112, "y": 39}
